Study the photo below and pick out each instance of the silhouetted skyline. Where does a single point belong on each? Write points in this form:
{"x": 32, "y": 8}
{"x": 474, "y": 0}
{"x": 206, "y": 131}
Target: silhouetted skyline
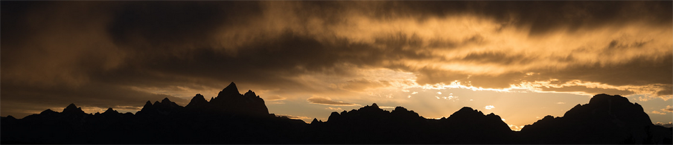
{"x": 521, "y": 60}
{"x": 232, "y": 117}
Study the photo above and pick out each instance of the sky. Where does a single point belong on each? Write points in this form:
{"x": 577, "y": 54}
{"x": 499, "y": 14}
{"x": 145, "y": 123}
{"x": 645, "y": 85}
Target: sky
{"x": 306, "y": 59}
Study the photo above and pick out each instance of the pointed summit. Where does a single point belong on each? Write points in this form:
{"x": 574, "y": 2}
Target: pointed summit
{"x": 110, "y": 111}
{"x": 165, "y": 101}
{"x": 48, "y": 112}
{"x": 375, "y": 106}
{"x": 148, "y": 105}
{"x": 72, "y": 109}
{"x": 467, "y": 112}
{"x": 72, "y": 106}
{"x": 230, "y": 101}
{"x": 315, "y": 121}
{"x": 334, "y": 117}
{"x": 371, "y": 109}
{"x": 250, "y": 93}
{"x": 230, "y": 90}
{"x": 197, "y": 101}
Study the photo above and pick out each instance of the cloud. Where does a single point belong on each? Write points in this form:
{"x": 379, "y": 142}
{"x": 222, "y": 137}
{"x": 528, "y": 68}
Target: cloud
{"x": 303, "y": 118}
{"x": 274, "y": 98}
{"x": 328, "y": 101}
{"x": 96, "y": 95}
{"x": 171, "y": 25}
{"x": 668, "y": 108}
{"x": 664, "y": 111}
{"x": 334, "y": 109}
{"x": 124, "y": 53}
{"x": 660, "y": 113}
{"x": 539, "y": 17}
{"x": 489, "y": 107}
{"x": 514, "y": 127}
{"x": 363, "y": 84}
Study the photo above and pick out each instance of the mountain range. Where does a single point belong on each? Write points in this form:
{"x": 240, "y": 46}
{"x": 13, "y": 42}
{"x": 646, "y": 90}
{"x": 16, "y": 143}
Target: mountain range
{"x": 232, "y": 117}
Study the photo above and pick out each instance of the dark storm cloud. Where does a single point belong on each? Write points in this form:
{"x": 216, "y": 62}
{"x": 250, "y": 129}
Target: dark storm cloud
{"x": 266, "y": 63}
{"x": 20, "y": 100}
{"x": 162, "y": 24}
{"x": 587, "y": 90}
{"x": 501, "y": 58}
{"x": 430, "y": 76}
{"x": 640, "y": 71}
{"x": 541, "y": 16}
{"x": 362, "y": 84}
{"x": 666, "y": 91}
{"x": 13, "y": 14}
{"x": 328, "y": 101}
{"x": 56, "y": 53}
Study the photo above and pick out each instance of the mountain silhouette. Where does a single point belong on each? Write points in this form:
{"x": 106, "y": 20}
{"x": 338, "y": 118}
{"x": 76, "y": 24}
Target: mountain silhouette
{"x": 605, "y": 119}
{"x": 198, "y": 102}
{"x": 232, "y": 117}
{"x": 370, "y": 124}
{"x": 73, "y": 110}
{"x": 230, "y": 101}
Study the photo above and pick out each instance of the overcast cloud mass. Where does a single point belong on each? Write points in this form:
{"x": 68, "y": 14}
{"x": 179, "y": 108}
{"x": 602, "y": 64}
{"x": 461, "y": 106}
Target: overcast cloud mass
{"x": 334, "y": 53}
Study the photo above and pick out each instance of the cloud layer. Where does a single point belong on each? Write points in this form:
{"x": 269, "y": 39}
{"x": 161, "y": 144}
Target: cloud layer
{"x": 103, "y": 54}
{"x": 328, "y": 101}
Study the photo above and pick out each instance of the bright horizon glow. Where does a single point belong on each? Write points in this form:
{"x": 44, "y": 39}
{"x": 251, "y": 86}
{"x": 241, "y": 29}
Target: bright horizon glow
{"x": 515, "y": 123}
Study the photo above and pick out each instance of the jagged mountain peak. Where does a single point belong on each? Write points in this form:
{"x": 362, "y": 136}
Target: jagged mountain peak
{"x": 315, "y": 121}
{"x": 73, "y": 109}
{"x": 467, "y": 125}
{"x": 148, "y": 104}
{"x": 373, "y": 109}
{"x": 72, "y": 106}
{"x": 110, "y": 111}
{"x": 402, "y": 112}
{"x": 493, "y": 116}
{"x": 230, "y": 90}
{"x": 48, "y": 111}
{"x": 334, "y": 116}
{"x": 197, "y": 101}
{"x": 467, "y": 112}
{"x": 165, "y": 101}
{"x": 250, "y": 93}
{"x": 229, "y": 100}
